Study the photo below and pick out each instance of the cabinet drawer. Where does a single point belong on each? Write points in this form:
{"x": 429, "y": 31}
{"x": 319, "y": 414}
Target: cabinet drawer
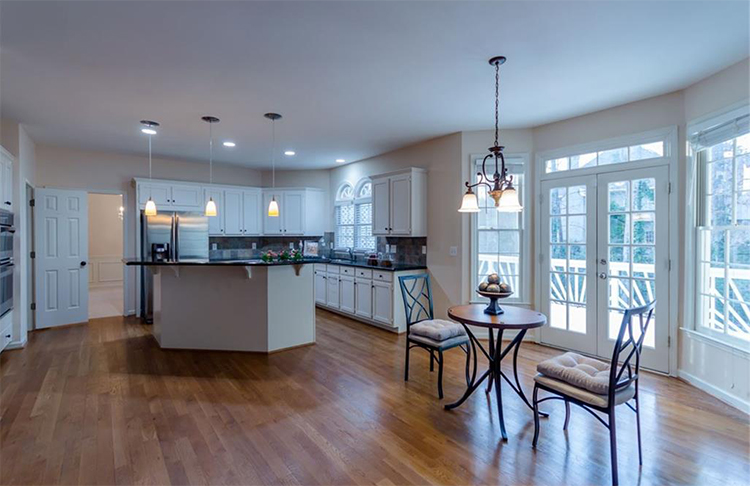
{"x": 382, "y": 276}
{"x": 333, "y": 269}
{"x": 6, "y": 336}
{"x": 347, "y": 271}
{"x": 363, "y": 273}
{"x": 320, "y": 267}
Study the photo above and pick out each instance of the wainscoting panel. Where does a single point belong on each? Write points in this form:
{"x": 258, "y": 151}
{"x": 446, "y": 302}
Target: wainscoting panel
{"x": 105, "y": 271}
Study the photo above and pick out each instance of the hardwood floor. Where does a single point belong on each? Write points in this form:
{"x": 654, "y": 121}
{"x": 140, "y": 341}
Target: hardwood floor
{"x": 102, "y": 404}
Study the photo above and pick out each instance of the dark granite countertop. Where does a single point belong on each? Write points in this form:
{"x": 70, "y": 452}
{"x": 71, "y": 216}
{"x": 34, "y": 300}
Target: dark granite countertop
{"x": 397, "y": 267}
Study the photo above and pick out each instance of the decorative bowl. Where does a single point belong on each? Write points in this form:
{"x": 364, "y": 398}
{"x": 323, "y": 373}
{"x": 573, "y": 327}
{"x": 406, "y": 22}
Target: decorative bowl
{"x": 493, "y": 308}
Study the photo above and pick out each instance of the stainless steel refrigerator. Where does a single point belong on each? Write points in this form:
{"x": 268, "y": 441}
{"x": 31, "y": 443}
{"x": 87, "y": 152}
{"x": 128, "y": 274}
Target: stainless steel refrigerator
{"x": 187, "y": 236}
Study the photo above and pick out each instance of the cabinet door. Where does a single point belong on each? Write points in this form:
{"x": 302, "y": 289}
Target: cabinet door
{"x": 186, "y": 196}
{"x": 381, "y": 212}
{"x": 382, "y": 302}
{"x": 161, "y": 194}
{"x": 346, "y": 291}
{"x": 320, "y": 287}
{"x": 251, "y": 212}
{"x": 6, "y": 201}
{"x": 363, "y": 300}
{"x": 401, "y": 205}
{"x": 215, "y": 223}
{"x": 332, "y": 294}
{"x": 293, "y": 217}
{"x": 233, "y": 212}
{"x": 272, "y": 225}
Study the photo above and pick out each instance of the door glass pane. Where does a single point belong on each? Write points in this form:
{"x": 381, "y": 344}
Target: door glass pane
{"x": 619, "y": 228}
{"x": 619, "y": 261}
{"x": 558, "y": 200}
{"x": 618, "y": 196}
{"x": 643, "y": 228}
{"x": 644, "y": 191}
{"x": 577, "y": 261}
{"x": 577, "y": 200}
{"x": 558, "y": 315}
{"x": 558, "y": 229}
{"x": 576, "y": 229}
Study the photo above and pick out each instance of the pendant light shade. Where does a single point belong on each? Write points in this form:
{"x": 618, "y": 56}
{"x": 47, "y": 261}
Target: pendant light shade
{"x": 509, "y": 201}
{"x": 149, "y": 128}
{"x": 150, "y": 208}
{"x": 273, "y": 206}
{"x": 469, "y": 203}
{"x": 210, "y": 205}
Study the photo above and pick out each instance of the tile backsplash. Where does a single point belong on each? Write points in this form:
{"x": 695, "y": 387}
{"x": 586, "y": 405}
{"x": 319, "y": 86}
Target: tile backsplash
{"x": 408, "y": 250}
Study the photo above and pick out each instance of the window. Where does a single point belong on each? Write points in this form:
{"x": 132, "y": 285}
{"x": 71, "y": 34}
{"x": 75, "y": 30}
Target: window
{"x": 723, "y": 239}
{"x": 498, "y": 238}
{"x": 616, "y": 155}
{"x": 363, "y": 239}
{"x": 344, "y": 217}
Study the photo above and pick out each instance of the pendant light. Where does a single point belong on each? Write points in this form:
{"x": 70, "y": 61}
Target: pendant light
{"x": 149, "y": 128}
{"x": 500, "y": 184}
{"x": 273, "y": 206}
{"x": 210, "y": 205}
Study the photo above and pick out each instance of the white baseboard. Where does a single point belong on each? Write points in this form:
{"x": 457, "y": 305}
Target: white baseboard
{"x": 15, "y": 345}
{"x": 714, "y": 391}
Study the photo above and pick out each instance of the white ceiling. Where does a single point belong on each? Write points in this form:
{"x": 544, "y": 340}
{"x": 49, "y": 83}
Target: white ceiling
{"x": 352, "y": 79}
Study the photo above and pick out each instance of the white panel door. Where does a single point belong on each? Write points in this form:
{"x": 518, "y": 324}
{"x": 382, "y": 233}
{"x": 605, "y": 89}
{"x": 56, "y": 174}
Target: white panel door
{"x": 363, "y": 298}
{"x": 568, "y": 250}
{"x": 294, "y": 219}
{"x": 251, "y": 213}
{"x": 381, "y": 206}
{"x": 332, "y": 291}
{"x": 61, "y": 231}
{"x": 186, "y": 196}
{"x": 272, "y": 225}
{"x": 633, "y": 257}
{"x": 233, "y": 212}
{"x": 401, "y": 205}
{"x": 346, "y": 291}
{"x": 382, "y": 302}
{"x": 320, "y": 287}
{"x": 215, "y": 223}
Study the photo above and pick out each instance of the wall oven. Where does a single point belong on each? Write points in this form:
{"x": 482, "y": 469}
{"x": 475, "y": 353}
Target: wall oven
{"x": 6, "y": 261}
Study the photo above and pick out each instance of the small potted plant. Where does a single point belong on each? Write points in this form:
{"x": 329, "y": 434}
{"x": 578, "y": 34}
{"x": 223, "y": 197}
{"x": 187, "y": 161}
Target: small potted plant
{"x": 284, "y": 256}
{"x": 296, "y": 256}
{"x": 268, "y": 256}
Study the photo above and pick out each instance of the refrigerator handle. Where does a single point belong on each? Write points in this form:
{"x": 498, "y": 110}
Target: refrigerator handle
{"x": 176, "y": 245}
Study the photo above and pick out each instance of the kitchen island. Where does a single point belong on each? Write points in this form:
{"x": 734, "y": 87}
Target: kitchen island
{"x": 232, "y": 305}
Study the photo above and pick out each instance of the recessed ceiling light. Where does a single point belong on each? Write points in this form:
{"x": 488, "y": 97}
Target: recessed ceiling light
{"x": 340, "y": 161}
{"x": 289, "y": 152}
{"x": 229, "y": 144}
{"x": 148, "y": 131}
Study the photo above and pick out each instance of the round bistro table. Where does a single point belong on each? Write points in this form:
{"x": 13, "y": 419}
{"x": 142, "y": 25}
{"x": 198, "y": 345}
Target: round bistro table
{"x": 514, "y": 318}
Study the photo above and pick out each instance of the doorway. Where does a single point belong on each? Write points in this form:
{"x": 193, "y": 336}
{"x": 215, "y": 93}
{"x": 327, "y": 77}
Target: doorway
{"x": 605, "y": 248}
{"x": 106, "y": 213}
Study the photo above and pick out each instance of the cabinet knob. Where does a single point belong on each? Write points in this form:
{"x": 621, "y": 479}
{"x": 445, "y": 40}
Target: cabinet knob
{"x": 7, "y": 202}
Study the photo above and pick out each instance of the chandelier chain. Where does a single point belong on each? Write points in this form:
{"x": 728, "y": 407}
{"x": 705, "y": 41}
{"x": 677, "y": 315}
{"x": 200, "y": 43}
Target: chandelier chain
{"x": 497, "y": 100}
{"x": 273, "y": 153}
{"x": 210, "y": 153}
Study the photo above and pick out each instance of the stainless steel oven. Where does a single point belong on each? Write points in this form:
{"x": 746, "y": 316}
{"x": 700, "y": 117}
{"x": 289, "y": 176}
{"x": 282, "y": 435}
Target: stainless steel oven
{"x": 6, "y": 261}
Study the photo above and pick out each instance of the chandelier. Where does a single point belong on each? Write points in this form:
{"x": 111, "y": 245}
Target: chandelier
{"x": 499, "y": 184}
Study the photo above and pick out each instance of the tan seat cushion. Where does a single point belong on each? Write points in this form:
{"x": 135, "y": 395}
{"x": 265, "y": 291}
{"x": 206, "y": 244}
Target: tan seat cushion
{"x": 444, "y": 344}
{"x": 621, "y": 396}
{"x": 437, "y": 329}
{"x": 582, "y": 372}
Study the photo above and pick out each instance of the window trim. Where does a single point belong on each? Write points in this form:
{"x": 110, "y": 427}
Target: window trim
{"x": 523, "y": 295}
{"x": 337, "y": 203}
{"x": 694, "y": 203}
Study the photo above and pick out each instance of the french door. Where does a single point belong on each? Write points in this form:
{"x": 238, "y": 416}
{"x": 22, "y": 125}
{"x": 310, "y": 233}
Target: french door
{"x": 605, "y": 248}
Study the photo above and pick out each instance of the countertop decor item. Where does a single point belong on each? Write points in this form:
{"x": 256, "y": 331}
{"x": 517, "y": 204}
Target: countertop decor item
{"x": 311, "y": 248}
{"x": 493, "y": 289}
{"x": 500, "y": 184}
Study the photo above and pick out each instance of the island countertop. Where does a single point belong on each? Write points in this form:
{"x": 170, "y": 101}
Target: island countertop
{"x": 396, "y": 267}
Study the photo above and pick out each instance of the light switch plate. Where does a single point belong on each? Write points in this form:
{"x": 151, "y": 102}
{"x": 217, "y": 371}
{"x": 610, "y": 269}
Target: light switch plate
{"x": 454, "y": 251}
{"x": 387, "y": 248}
{"x": 255, "y": 246}
{"x": 291, "y": 245}
{"x": 393, "y": 249}
{"x": 214, "y": 246}
{"x": 424, "y": 249}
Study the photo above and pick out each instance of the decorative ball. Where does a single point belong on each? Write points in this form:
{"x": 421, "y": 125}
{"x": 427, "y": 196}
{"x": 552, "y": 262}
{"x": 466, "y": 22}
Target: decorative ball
{"x": 504, "y": 288}
{"x": 493, "y": 288}
{"x": 493, "y": 279}
{"x": 483, "y": 286}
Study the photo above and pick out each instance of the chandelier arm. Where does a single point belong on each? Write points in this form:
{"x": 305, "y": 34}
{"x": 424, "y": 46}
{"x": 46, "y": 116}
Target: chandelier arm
{"x": 484, "y": 167}
{"x": 480, "y": 183}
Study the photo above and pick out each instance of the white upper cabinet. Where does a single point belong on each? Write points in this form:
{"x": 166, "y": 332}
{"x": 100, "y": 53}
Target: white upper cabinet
{"x": 215, "y": 223}
{"x": 160, "y": 193}
{"x": 399, "y": 201}
{"x": 294, "y": 203}
{"x": 187, "y": 196}
{"x": 233, "y": 212}
{"x": 6, "y": 181}
{"x": 301, "y": 212}
{"x": 251, "y": 212}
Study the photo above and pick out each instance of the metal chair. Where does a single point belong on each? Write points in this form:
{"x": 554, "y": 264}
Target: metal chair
{"x": 417, "y": 295}
{"x": 621, "y": 386}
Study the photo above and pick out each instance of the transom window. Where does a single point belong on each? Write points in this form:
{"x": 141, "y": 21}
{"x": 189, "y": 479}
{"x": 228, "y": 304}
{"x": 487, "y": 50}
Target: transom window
{"x": 723, "y": 246}
{"x": 617, "y": 155}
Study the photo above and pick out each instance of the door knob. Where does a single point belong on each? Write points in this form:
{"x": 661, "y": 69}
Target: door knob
{"x": 83, "y": 264}
{"x": 603, "y": 276}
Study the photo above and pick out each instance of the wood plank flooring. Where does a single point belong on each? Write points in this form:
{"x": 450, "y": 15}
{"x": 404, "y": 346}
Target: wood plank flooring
{"x": 102, "y": 404}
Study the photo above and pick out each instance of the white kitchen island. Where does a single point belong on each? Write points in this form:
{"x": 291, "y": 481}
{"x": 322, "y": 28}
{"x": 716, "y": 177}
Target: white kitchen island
{"x": 233, "y": 306}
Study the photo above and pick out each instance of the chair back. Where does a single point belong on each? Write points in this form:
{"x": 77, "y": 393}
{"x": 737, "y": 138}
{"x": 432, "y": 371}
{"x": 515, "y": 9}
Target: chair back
{"x": 417, "y": 295}
{"x": 627, "y": 353}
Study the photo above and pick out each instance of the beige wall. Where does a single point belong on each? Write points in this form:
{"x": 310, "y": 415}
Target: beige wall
{"x": 68, "y": 168}
{"x": 105, "y": 226}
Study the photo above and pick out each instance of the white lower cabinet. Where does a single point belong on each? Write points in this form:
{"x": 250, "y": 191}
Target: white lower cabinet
{"x": 368, "y": 295}
{"x": 6, "y": 330}
{"x": 346, "y": 294}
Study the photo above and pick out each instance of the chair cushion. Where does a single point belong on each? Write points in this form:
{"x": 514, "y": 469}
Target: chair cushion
{"x": 437, "y": 329}
{"x": 445, "y": 344}
{"x": 580, "y": 371}
{"x": 563, "y": 388}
